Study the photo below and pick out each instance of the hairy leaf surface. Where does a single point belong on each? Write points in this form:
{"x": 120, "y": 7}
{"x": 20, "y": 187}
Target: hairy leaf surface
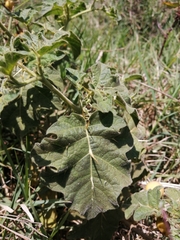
{"x": 87, "y": 163}
{"x": 10, "y": 60}
{"x": 143, "y": 204}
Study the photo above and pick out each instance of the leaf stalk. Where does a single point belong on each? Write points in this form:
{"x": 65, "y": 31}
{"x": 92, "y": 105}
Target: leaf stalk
{"x": 83, "y": 12}
{"x": 5, "y": 30}
{"x": 55, "y": 90}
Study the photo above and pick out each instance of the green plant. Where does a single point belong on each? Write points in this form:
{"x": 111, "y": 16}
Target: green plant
{"x": 96, "y": 106}
{"x": 89, "y": 155}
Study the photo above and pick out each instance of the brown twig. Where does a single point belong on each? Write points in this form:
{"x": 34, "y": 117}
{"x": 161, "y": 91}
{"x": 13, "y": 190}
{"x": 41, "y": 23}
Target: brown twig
{"x": 133, "y": 227}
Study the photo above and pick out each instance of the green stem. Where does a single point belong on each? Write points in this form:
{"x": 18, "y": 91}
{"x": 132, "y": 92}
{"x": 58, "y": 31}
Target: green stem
{"x": 48, "y": 84}
{"x": 20, "y": 5}
{"x": 26, "y": 69}
{"x": 83, "y": 12}
{"x": 5, "y": 30}
{"x": 21, "y": 84}
{"x": 10, "y": 24}
{"x": 55, "y": 90}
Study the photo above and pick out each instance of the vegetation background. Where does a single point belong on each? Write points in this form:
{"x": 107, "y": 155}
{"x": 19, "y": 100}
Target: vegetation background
{"x": 129, "y": 38}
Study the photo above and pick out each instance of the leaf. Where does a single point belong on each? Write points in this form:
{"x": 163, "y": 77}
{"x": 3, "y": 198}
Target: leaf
{"x": 154, "y": 196}
{"x": 54, "y": 76}
{"x": 75, "y": 76}
{"x": 88, "y": 161}
{"x": 104, "y": 103}
{"x": 51, "y": 8}
{"x": 108, "y": 91}
{"x": 100, "y": 228}
{"x": 7, "y": 97}
{"x": 130, "y": 210}
{"x": 75, "y": 44}
{"x": 139, "y": 170}
{"x": 173, "y": 194}
{"x": 101, "y": 76}
{"x": 104, "y": 85}
{"x": 23, "y": 114}
{"x": 111, "y": 12}
{"x": 28, "y": 39}
{"x": 49, "y": 45}
{"x": 43, "y": 45}
{"x": 122, "y": 99}
{"x": 50, "y": 59}
{"x": 57, "y": 8}
{"x": 10, "y": 59}
{"x": 143, "y": 204}
{"x": 142, "y": 212}
{"x": 25, "y": 15}
{"x": 77, "y": 7}
{"x": 133, "y": 77}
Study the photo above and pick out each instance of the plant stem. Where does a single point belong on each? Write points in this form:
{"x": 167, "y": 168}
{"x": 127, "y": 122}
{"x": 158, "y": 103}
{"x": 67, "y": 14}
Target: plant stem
{"x": 5, "y": 30}
{"x": 21, "y": 84}
{"x": 26, "y": 69}
{"x": 55, "y": 90}
{"x": 83, "y": 12}
{"x": 48, "y": 84}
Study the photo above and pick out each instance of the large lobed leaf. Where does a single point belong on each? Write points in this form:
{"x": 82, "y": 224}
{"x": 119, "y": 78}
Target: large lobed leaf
{"x": 100, "y": 228}
{"x": 87, "y": 163}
